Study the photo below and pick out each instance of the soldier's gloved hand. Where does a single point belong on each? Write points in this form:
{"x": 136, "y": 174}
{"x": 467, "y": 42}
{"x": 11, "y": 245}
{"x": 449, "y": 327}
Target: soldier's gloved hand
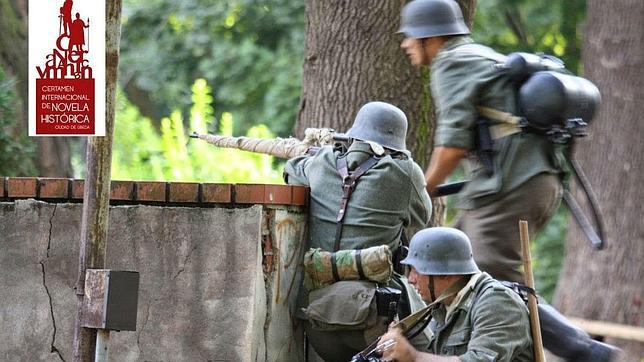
{"x": 395, "y": 347}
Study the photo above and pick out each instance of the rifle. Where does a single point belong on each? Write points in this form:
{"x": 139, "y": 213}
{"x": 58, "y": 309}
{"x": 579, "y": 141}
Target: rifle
{"x": 410, "y": 326}
{"x": 279, "y": 147}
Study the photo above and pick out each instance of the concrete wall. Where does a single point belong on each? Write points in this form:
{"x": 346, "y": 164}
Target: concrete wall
{"x": 216, "y": 283}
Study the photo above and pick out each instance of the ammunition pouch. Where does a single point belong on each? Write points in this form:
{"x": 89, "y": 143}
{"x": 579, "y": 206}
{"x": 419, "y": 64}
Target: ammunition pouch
{"x": 387, "y": 301}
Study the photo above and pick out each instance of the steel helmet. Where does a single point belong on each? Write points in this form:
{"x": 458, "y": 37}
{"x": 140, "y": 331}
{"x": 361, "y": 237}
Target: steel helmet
{"x": 382, "y": 123}
{"x": 441, "y": 251}
{"x": 428, "y": 18}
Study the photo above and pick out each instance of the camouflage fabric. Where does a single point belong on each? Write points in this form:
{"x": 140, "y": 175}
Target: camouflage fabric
{"x": 375, "y": 261}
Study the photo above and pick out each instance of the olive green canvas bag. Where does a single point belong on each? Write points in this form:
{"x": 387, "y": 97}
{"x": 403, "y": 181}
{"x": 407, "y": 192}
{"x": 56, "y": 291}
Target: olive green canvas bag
{"x": 345, "y": 305}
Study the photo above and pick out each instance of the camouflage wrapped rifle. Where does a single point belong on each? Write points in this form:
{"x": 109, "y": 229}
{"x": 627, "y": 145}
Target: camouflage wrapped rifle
{"x": 279, "y": 147}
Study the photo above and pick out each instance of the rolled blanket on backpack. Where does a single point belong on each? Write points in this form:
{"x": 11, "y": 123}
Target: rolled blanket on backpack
{"x": 323, "y": 268}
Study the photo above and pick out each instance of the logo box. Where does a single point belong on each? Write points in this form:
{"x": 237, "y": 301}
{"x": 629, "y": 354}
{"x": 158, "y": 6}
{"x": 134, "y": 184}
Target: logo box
{"x": 66, "y": 68}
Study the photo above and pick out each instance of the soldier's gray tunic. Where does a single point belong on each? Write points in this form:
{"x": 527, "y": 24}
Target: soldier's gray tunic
{"x": 462, "y": 79}
{"x": 525, "y": 184}
{"x": 490, "y": 323}
{"x": 387, "y": 198}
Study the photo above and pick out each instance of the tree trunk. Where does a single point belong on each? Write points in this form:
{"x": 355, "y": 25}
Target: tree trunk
{"x": 54, "y": 156}
{"x": 13, "y": 52}
{"x": 353, "y": 56}
{"x": 607, "y": 285}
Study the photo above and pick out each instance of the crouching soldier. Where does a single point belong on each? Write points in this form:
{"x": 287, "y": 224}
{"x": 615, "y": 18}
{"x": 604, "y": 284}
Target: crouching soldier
{"x": 478, "y": 319}
{"x": 363, "y": 195}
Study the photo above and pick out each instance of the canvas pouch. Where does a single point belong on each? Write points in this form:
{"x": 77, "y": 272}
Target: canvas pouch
{"x": 345, "y": 305}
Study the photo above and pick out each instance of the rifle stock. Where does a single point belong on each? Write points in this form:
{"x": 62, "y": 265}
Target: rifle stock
{"x": 449, "y": 188}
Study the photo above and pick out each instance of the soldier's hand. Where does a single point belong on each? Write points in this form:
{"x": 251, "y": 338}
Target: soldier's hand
{"x": 395, "y": 347}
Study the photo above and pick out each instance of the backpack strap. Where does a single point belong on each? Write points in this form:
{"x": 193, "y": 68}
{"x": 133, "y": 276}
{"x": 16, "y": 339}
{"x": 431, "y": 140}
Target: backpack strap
{"x": 349, "y": 179}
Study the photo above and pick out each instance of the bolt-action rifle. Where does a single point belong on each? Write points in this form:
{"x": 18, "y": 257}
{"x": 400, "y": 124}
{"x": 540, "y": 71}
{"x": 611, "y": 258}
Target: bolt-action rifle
{"x": 279, "y": 147}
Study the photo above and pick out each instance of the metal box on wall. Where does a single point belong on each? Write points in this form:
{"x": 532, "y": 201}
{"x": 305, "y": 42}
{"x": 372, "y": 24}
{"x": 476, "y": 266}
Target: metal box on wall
{"x": 111, "y": 299}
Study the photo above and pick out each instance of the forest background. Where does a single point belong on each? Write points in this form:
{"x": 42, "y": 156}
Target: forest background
{"x": 237, "y": 67}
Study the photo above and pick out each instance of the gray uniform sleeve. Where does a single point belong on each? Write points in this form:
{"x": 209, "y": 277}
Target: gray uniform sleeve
{"x": 454, "y": 85}
{"x": 500, "y": 328}
{"x": 295, "y": 170}
{"x": 420, "y": 205}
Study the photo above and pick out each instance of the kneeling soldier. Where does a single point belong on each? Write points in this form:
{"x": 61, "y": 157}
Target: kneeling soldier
{"x": 482, "y": 321}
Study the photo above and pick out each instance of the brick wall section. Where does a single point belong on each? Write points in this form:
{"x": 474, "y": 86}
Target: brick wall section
{"x": 143, "y": 192}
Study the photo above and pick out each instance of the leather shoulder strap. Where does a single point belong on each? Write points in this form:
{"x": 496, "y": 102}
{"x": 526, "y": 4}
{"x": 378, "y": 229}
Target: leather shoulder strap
{"x": 349, "y": 180}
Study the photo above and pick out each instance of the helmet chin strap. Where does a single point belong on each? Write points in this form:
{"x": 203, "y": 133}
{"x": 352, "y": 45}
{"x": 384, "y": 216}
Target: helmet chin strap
{"x": 432, "y": 294}
{"x": 423, "y": 46}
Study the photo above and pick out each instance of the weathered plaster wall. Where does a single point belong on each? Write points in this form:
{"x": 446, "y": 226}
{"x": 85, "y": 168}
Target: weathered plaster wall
{"x": 216, "y": 284}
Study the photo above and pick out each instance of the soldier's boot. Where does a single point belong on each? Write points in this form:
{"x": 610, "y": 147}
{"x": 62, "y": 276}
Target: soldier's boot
{"x": 570, "y": 342}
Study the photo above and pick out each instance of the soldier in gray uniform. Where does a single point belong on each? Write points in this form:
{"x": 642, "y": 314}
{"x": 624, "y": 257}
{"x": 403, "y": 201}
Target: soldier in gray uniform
{"x": 389, "y": 196}
{"x": 519, "y": 178}
{"x": 481, "y": 321}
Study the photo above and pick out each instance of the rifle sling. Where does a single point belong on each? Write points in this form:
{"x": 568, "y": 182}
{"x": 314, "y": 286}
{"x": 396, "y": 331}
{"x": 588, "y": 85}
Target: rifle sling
{"x": 595, "y": 236}
{"x": 413, "y": 320}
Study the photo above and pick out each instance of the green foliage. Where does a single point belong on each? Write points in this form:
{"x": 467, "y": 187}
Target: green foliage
{"x": 534, "y": 26}
{"x": 141, "y": 154}
{"x": 251, "y": 52}
{"x": 16, "y": 151}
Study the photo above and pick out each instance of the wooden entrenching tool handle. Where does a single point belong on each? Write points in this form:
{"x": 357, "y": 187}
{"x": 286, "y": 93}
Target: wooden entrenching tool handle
{"x": 539, "y": 355}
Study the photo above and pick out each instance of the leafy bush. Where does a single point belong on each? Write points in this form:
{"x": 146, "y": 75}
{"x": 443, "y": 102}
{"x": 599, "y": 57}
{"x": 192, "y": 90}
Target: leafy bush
{"x": 252, "y": 51}
{"x": 140, "y": 153}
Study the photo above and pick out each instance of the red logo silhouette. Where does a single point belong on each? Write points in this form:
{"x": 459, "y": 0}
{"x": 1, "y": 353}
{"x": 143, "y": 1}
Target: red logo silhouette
{"x": 65, "y": 86}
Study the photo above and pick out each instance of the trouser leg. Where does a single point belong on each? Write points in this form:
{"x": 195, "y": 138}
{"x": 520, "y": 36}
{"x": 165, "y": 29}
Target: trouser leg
{"x": 496, "y": 246}
{"x": 337, "y": 345}
{"x": 342, "y": 345}
{"x": 494, "y": 228}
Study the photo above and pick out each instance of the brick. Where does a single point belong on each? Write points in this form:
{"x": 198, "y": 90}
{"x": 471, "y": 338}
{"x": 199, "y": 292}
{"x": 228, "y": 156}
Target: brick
{"x": 150, "y": 191}
{"x": 249, "y": 194}
{"x": 22, "y": 186}
{"x": 300, "y": 195}
{"x": 217, "y": 193}
{"x": 277, "y": 194}
{"x": 54, "y": 188}
{"x": 121, "y": 190}
{"x": 2, "y": 189}
{"x": 78, "y": 189}
{"x": 184, "y": 192}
